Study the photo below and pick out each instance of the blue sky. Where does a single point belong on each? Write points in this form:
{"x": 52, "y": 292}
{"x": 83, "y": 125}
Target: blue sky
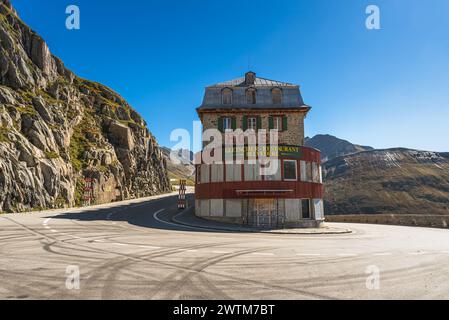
{"x": 384, "y": 88}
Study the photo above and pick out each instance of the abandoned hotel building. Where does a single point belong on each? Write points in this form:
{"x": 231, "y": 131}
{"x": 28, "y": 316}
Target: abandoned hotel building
{"x": 237, "y": 192}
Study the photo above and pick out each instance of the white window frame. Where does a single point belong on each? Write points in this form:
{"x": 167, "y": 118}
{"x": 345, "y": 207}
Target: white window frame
{"x": 277, "y": 123}
{"x": 227, "y": 123}
{"x": 251, "y": 123}
{"x": 296, "y": 169}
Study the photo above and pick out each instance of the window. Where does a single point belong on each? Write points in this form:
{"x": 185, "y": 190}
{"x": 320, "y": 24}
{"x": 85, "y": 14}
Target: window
{"x": 233, "y": 172}
{"x": 304, "y": 171}
{"x": 252, "y": 123}
{"x": 306, "y": 209}
{"x": 277, "y": 96}
{"x": 251, "y": 96}
{"x": 277, "y": 123}
{"x": 318, "y": 206}
{"x": 315, "y": 173}
{"x": 290, "y": 172}
{"x": 205, "y": 173}
{"x": 216, "y": 173}
{"x": 198, "y": 174}
{"x": 309, "y": 172}
{"x": 276, "y": 167}
{"x": 227, "y": 123}
{"x": 227, "y": 96}
{"x": 252, "y": 171}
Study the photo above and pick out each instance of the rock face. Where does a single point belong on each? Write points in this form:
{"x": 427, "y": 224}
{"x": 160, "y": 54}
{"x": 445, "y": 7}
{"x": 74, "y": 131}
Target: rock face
{"x": 183, "y": 168}
{"x": 57, "y": 130}
{"x": 389, "y": 181}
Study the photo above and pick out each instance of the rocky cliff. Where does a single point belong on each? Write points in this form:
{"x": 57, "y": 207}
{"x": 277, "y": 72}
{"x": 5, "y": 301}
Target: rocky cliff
{"x": 58, "y": 130}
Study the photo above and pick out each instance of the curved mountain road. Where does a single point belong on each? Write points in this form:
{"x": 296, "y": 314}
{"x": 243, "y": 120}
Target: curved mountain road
{"x": 133, "y": 250}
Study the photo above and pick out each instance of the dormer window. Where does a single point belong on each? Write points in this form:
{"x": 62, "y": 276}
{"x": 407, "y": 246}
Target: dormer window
{"x": 277, "y": 96}
{"x": 227, "y": 96}
{"x": 250, "y": 78}
{"x": 251, "y": 96}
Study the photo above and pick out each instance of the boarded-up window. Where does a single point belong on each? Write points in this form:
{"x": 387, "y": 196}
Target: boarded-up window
{"x": 277, "y": 175}
{"x": 315, "y": 173}
{"x": 205, "y": 173}
{"x": 216, "y": 173}
{"x": 318, "y": 209}
{"x": 233, "y": 172}
{"x": 251, "y": 96}
{"x": 277, "y": 96}
{"x": 303, "y": 171}
{"x": 309, "y": 172}
{"x": 227, "y": 96}
{"x": 252, "y": 172}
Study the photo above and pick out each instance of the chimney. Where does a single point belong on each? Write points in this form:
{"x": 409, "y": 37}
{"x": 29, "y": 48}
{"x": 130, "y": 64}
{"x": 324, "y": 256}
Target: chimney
{"x": 250, "y": 78}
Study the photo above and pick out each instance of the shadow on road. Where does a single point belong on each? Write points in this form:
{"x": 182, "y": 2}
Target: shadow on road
{"x": 138, "y": 214}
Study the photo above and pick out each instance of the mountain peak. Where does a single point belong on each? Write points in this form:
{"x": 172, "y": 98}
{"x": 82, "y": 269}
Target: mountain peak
{"x": 331, "y": 146}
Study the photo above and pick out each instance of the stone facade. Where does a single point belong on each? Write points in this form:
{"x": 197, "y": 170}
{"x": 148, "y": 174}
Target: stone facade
{"x": 241, "y": 192}
{"x": 295, "y": 123}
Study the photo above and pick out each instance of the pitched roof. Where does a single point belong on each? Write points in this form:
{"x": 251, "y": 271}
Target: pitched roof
{"x": 259, "y": 82}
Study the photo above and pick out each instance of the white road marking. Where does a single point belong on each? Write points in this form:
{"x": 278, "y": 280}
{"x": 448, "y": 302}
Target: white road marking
{"x": 346, "y": 255}
{"x": 417, "y": 253}
{"x": 150, "y": 247}
{"x": 155, "y": 216}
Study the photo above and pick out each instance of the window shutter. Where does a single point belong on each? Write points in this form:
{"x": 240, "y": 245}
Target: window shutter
{"x": 284, "y": 123}
{"x": 259, "y": 123}
{"x": 220, "y": 124}
{"x": 234, "y": 123}
{"x": 245, "y": 123}
{"x": 271, "y": 123}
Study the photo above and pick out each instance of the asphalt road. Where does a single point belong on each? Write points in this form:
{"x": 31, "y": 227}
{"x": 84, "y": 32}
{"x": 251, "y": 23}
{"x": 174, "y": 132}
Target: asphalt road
{"x": 134, "y": 251}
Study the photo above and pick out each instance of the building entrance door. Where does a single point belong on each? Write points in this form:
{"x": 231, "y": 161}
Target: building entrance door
{"x": 264, "y": 213}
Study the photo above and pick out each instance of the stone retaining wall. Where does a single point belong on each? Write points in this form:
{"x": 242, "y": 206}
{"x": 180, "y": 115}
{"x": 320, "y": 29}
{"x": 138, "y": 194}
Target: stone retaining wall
{"x": 434, "y": 221}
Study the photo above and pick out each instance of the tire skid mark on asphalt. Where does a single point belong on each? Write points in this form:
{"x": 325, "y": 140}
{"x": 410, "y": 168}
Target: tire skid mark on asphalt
{"x": 399, "y": 274}
{"x": 173, "y": 288}
{"x": 127, "y": 260}
{"x": 209, "y": 263}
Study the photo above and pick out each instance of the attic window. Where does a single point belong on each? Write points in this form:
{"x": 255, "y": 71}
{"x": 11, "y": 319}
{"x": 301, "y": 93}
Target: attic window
{"x": 250, "y": 78}
{"x": 251, "y": 96}
{"x": 277, "y": 96}
{"x": 227, "y": 96}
